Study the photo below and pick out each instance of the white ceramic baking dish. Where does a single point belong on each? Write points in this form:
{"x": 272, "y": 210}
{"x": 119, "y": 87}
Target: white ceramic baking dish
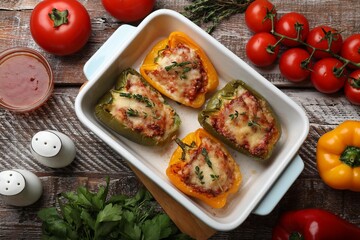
{"x": 263, "y": 185}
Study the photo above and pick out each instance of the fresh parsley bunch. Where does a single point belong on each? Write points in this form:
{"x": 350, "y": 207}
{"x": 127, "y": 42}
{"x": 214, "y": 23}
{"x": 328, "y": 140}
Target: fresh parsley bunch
{"x": 86, "y": 215}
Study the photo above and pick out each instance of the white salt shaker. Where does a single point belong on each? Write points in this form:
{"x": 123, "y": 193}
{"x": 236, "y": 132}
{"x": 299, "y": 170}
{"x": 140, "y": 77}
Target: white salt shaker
{"x": 19, "y": 187}
{"x": 53, "y": 149}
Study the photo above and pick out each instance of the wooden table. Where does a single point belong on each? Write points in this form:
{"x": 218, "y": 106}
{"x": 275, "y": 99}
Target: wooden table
{"x": 95, "y": 160}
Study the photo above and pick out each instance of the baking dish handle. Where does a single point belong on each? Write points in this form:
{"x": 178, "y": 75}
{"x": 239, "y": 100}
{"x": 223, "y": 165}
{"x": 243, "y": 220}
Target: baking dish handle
{"x": 115, "y": 41}
{"x": 281, "y": 185}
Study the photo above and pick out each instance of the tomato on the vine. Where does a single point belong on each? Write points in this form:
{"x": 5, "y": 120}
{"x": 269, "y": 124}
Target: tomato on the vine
{"x": 351, "y": 49}
{"x": 352, "y": 87}
{"x": 319, "y": 37}
{"x": 257, "y": 16}
{"x": 326, "y": 76}
{"x": 290, "y": 25}
{"x": 260, "y": 49}
{"x": 128, "y": 10}
{"x": 293, "y": 64}
{"x": 61, "y": 27}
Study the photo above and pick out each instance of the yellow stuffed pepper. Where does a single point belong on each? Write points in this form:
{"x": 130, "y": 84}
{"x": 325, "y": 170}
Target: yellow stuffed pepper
{"x": 201, "y": 167}
{"x": 338, "y": 156}
{"x": 178, "y": 68}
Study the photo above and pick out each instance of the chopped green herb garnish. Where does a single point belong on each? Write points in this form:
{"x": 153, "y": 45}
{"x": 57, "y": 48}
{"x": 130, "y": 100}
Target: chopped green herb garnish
{"x": 132, "y": 113}
{"x": 143, "y": 99}
{"x": 145, "y": 115}
{"x": 185, "y": 70}
{"x": 199, "y": 174}
{"x": 253, "y": 122}
{"x": 182, "y": 64}
{"x": 214, "y": 177}
{"x": 234, "y": 115}
{"x": 123, "y": 94}
{"x": 176, "y": 64}
{"x": 207, "y": 159}
{"x": 139, "y": 98}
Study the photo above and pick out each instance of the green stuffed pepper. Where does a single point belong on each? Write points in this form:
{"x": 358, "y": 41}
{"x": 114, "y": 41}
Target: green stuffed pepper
{"x": 243, "y": 119}
{"x": 135, "y": 110}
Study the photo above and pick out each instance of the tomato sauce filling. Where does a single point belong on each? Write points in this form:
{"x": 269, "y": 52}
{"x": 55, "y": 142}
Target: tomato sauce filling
{"x": 182, "y": 82}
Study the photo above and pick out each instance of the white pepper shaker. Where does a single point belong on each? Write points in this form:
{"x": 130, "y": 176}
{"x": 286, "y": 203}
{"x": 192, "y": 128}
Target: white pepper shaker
{"x": 19, "y": 187}
{"x": 53, "y": 149}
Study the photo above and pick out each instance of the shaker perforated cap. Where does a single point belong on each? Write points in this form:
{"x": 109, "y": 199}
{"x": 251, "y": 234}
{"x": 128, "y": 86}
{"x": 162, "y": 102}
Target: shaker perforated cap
{"x": 11, "y": 182}
{"x": 46, "y": 144}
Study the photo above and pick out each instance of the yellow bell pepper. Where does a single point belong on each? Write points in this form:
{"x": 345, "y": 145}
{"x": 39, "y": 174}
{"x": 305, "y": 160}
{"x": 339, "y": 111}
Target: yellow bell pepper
{"x": 338, "y": 156}
{"x": 178, "y": 68}
{"x": 201, "y": 167}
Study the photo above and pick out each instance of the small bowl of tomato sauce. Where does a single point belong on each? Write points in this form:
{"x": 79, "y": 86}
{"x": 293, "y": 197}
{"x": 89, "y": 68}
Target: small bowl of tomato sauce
{"x": 26, "y": 79}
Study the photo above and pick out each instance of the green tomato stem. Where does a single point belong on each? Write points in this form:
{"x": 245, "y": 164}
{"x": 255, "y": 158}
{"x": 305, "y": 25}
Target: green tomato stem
{"x": 59, "y": 17}
{"x": 328, "y": 36}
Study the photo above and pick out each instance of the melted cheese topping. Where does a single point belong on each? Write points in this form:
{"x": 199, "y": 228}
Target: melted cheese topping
{"x": 209, "y": 169}
{"x": 246, "y": 121}
{"x": 180, "y": 73}
{"x": 142, "y": 109}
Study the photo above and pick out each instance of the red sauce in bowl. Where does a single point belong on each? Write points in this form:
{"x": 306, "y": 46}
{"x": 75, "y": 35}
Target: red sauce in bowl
{"x": 26, "y": 79}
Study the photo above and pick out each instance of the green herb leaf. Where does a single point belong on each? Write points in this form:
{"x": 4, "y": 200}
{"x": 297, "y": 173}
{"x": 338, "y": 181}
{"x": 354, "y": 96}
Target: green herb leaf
{"x": 87, "y": 215}
{"x": 214, "y": 11}
{"x": 132, "y": 113}
{"x": 253, "y": 123}
{"x": 159, "y": 227}
{"x": 139, "y": 98}
{"x": 199, "y": 174}
{"x": 234, "y": 115}
{"x": 207, "y": 158}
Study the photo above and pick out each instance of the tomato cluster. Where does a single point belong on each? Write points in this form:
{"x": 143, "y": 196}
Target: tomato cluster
{"x": 319, "y": 54}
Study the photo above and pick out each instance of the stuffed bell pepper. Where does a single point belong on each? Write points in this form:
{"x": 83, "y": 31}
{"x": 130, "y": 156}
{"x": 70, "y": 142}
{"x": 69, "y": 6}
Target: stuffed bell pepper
{"x": 338, "y": 156}
{"x": 180, "y": 69}
{"x": 137, "y": 111}
{"x": 243, "y": 119}
{"x": 201, "y": 167}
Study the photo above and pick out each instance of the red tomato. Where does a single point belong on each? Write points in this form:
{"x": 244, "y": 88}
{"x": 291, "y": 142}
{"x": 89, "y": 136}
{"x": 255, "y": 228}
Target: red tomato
{"x": 317, "y": 38}
{"x": 288, "y": 26}
{"x": 352, "y": 88}
{"x": 291, "y": 64}
{"x": 128, "y": 10}
{"x": 323, "y": 75}
{"x": 351, "y": 49}
{"x": 257, "y": 16}
{"x": 67, "y": 38}
{"x": 259, "y": 51}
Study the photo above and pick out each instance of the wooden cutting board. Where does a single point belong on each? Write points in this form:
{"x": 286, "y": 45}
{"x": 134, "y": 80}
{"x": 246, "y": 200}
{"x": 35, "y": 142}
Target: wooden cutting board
{"x": 184, "y": 220}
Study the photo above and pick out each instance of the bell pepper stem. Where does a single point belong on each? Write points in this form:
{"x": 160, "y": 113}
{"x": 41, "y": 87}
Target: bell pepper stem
{"x": 296, "y": 236}
{"x": 351, "y": 156}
